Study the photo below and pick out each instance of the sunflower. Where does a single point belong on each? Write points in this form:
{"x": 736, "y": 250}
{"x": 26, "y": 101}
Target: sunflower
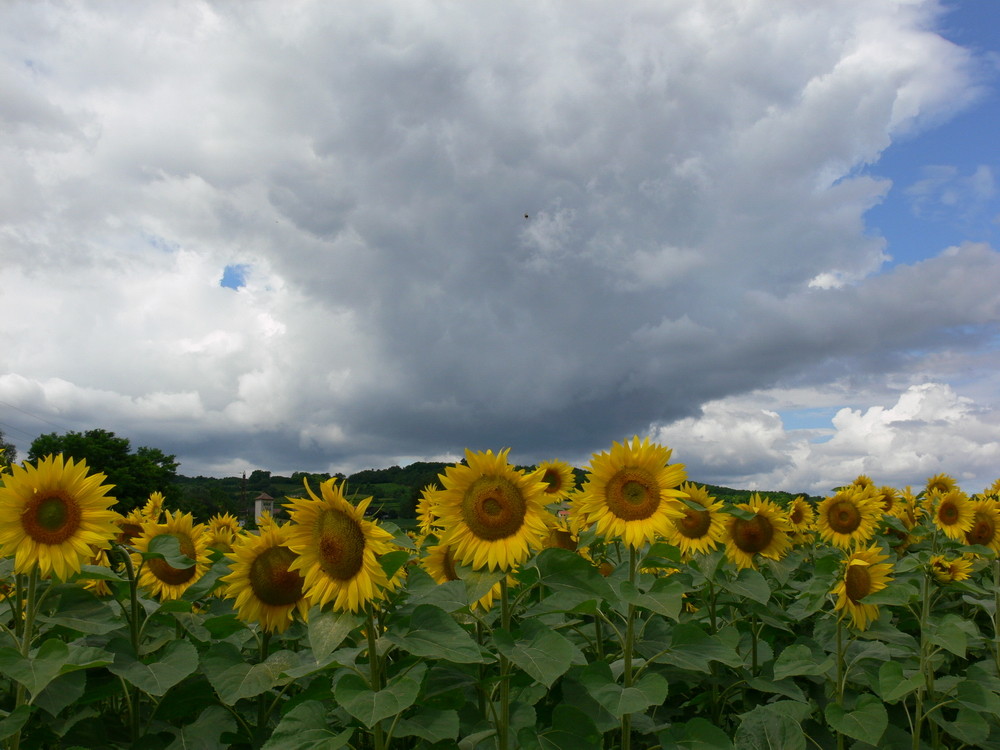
{"x": 337, "y": 548}
{"x": 440, "y": 565}
{"x": 493, "y": 515}
{"x": 993, "y": 490}
{"x": 558, "y": 475}
{"x": 53, "y": 516}
{"x": 801, "y": 515}
{"x": 426, "y": 509}
{"x": 765, "y": 533}
{"x": 952, "y": 513}
{"x": 153, "y": 508}
{"x": 985, "y": 529}
{"x": 156, "y": 575}
{"x": 862, "y": 480}
{"x": 223, "y": 530}
{"x": 99, "y": 586}
{"x": 850, "y": 516}
{"x": 560, "y": 534}
{"x": 130, "y": 526}
{"x": 864, "y": 574}
{"x": 266, "y": 588}
{"x": 889, "y": 499}
{"x": 947, "y": 571}
{"x": 698, "y": 531}
{"x": 631, "y": 493}
{"x": 940, "y": 484}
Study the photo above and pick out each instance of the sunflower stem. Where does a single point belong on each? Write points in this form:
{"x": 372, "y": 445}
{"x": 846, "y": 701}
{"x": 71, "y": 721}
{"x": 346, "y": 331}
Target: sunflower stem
{"x": 134, "y": 635}
{"x": 996, "y": 612}
{"x": 27, "y": 635}
{"x": 925, "y": 646}
{"x": 376, "y": 672}
{"x": 628, "y": 647}
{"x": 840, "y": 675}
{"x": 503, "y": 723}
{"x": 262, "y": 709}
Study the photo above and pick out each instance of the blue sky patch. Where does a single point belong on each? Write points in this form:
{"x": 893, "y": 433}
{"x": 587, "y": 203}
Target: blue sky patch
{"x": 234, "y": 276}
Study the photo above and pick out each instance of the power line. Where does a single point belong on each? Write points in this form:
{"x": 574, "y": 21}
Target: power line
{"x": 34, "y": 416}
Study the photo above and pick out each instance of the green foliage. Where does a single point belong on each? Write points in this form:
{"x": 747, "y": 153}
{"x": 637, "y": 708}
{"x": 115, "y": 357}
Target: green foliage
{"x": 134, "y": 474}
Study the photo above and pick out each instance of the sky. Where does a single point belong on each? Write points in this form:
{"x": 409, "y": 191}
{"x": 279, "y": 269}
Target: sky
{"x": 314, "y": 236}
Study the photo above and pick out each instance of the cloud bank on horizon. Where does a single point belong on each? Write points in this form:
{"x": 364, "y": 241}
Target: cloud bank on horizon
{"x": 321, "y": 236}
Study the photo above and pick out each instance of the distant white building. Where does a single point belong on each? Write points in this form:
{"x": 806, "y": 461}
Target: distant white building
{"x": 263, "y": 503}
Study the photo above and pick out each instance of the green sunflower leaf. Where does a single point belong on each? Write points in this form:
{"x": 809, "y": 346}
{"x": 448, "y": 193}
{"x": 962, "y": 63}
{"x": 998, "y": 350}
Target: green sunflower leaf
{"x": 434, "y": 634}
{"x": 432, "y": 725}
{"x": 542, "y": 652}
{"x": 369, "y": 707}
{"x": 751, "y": 584}
{"x": 649, "y": 690}
{"x": 562, "y": 570}
{"x": 50, "y": 660}
{"x": 697, "y": 734}
{"x": 571, "y": 729}
{"x": 167, "y": 547}
{"x": 764, "y": 728}
{"x": 867, "y": 722}
{"x": 206, "y": 732}
{"x": 157, "y": 674}
{"x": 306, "y": 727}
{"x": 799, "y": 659}
{"x": 234, "y": 679}
{"x": 327, "y": 630}
{"x": 892, "y": 685}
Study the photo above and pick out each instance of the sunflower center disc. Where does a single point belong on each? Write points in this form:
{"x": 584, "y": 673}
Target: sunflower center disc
{"x": 51, "y": 519}
{"x": 695, "y": 523}
{"x": 948, "y": 513}
{"x": 857, "y": 582}
{"x": 981, "y": 532}
{"x": 448, "y": 565}
{"x": 844, "y": 517}
{"x": 553, "y": 480}
{"x": 754, "y": 535}
{"x": 272, "y": 581}
{"x": 168, "y": 573}
{"x": 493, "y": 508}
{"x": 633, "y": 494}
{"x": 341, "y": 544}
{"x": 797, "y": 516}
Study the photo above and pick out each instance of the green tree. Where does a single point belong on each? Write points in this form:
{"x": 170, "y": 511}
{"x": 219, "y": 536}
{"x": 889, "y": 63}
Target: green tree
{"x": 8, "y": 453}
{"x": 134, "y": 474}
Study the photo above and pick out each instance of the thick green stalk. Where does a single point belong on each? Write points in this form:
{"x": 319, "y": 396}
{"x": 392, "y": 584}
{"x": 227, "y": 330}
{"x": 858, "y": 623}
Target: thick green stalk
{"x": 262, "y": 709}
{"x": 27, "y": 635}
{"x": 628, "y": 647}
{"x": 841, "y": 677}
{"x": 503, "y": 722}
{"x": 925, "y": 645}
{"x": 376, "y": 673}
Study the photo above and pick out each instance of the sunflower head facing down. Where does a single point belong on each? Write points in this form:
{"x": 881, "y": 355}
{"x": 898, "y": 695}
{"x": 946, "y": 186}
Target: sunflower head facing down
{"x": 492, "y": 515}
{"x": 159, "y": 577}
{"x": 558, "y": 475}
{"x": 427, "y": 509}
{"x": 262, "y": 582}
{"x": 850, "y": 517}
{"x": 440, "y": 565}
{"x": 949, "y": 571}
{"x": 337, "y": 548}
{"x": 700, "y": 530}
{"x": 760, "y": 528}
{"x": 54, "y": 516}
{"x": 153, "y": 509}
{"x": 223, "y": 530}
{"x": 632, "y": 492}
{"x": 865, "y": 572}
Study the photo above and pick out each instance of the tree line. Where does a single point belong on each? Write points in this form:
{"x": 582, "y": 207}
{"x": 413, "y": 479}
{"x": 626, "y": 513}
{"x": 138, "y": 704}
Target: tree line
{"x": 137, "y": 473}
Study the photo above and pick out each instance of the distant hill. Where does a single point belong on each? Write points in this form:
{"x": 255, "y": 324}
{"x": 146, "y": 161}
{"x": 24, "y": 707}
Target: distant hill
{"x": 394, "y": 490}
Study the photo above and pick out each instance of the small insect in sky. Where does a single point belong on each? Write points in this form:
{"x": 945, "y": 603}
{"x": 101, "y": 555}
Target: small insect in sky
{"x": 526, "y": 216}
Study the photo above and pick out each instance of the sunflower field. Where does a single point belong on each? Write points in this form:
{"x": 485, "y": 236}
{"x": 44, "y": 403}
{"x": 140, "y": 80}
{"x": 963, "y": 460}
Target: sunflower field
{"x": 633, "y": 611}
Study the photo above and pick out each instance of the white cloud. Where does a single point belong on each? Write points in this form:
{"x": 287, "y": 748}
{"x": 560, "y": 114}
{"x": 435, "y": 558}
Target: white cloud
{"x": 690, "y": 172}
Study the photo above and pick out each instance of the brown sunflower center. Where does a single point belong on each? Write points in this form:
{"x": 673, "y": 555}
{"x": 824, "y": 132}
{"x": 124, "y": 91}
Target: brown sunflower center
{"x": 51, "y": 518}
{"x": 844, "y": 517}
{"x": 797, "y": 516}
{"x": 753, "y": 535}
{"x": 271, "y": 580}
{"x": 448, "y": 565}
{"x": 553, "y": 479}
{"x": 341, "y": 543}
{"x": 633, "y": 494}
{"x": 493, "y": 508}
{"x": 562, "y": 539}
{"x": 948, "y": 513}
{"x": 982, "y": 531}
{"x": 695, "y": 523}
{"x": 168, "y": 573}
{"x": 857, "y": 582}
